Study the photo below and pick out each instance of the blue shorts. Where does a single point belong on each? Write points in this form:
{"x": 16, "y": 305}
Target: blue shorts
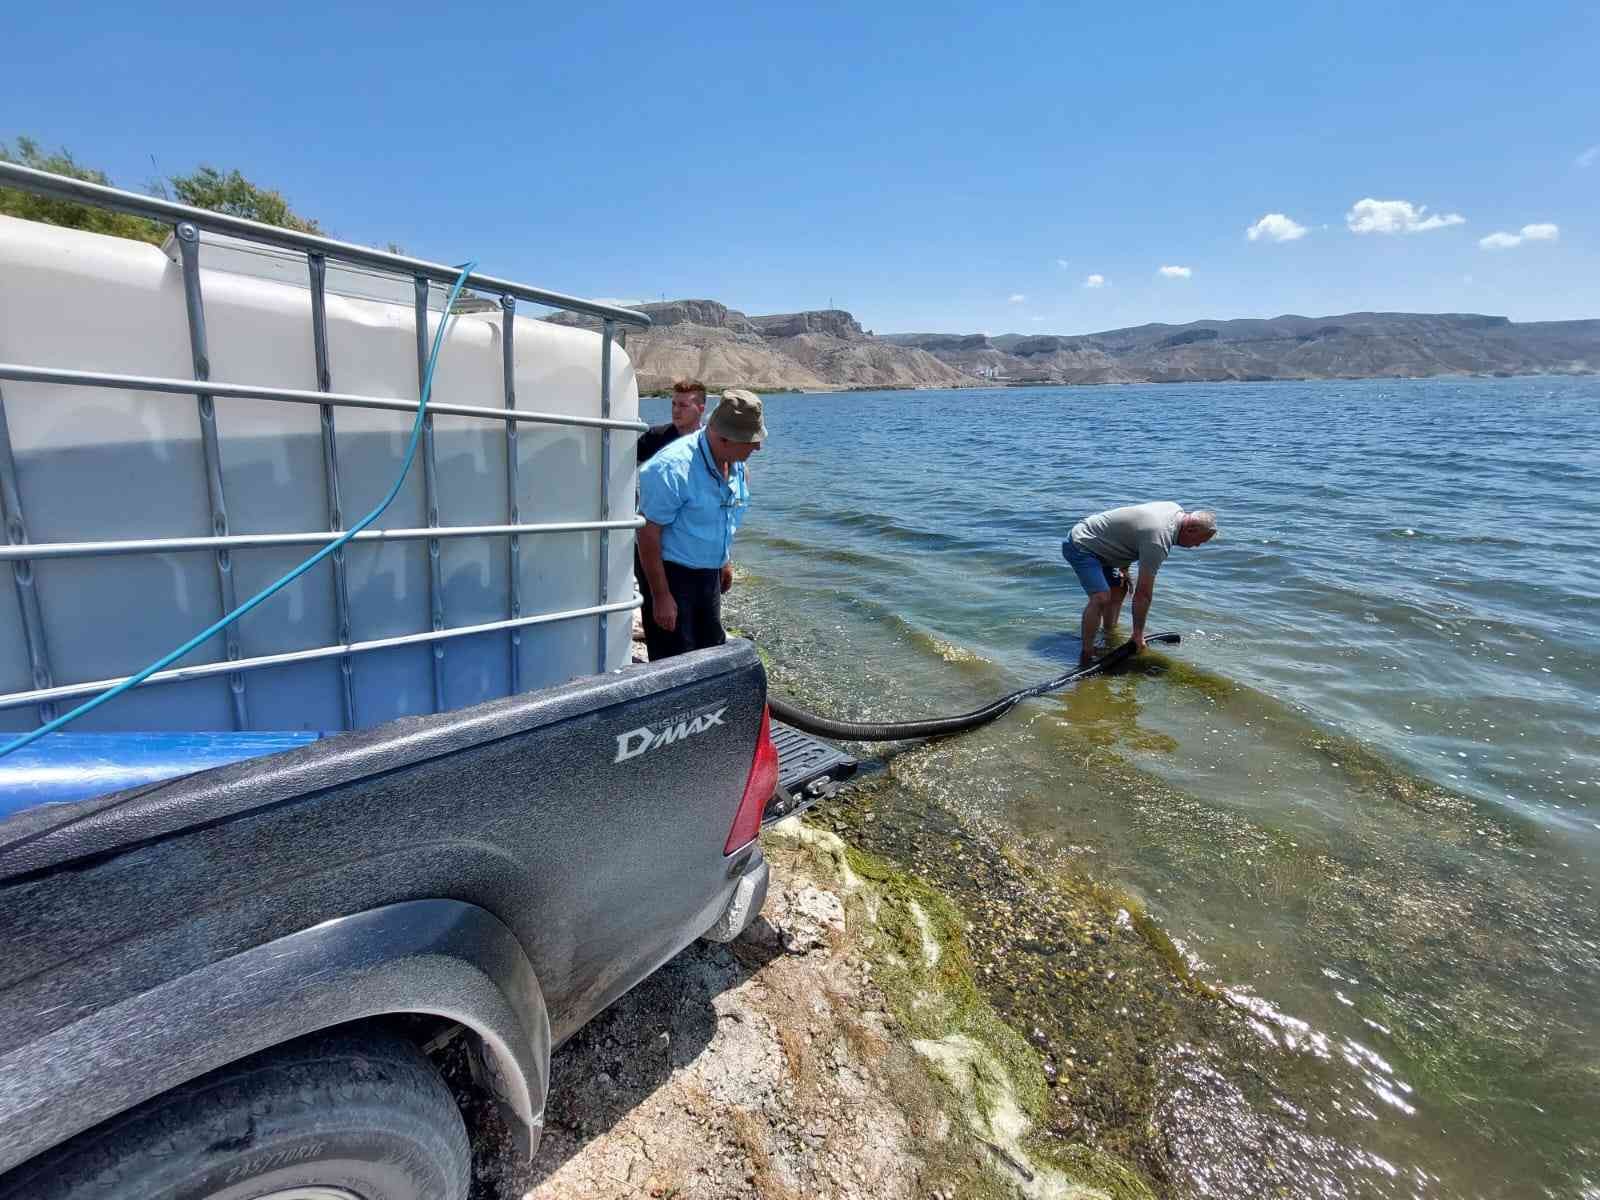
{"x": 1093, "y": 572}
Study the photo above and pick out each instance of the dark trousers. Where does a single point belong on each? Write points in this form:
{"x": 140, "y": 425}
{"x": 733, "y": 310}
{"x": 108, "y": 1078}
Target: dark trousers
{"x": 698, "y": 591}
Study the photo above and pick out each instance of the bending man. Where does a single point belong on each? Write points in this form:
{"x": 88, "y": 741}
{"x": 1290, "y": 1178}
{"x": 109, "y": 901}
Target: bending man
{"x": 1100, "y": 549}
{"x": 693, "y": 495}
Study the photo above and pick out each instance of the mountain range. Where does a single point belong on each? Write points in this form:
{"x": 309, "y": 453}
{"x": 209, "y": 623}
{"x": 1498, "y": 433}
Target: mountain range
{"x": 827, "y": 350}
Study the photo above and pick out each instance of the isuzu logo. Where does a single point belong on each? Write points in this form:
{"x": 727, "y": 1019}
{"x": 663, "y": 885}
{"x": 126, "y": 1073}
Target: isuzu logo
{"x": 637, "y": 741}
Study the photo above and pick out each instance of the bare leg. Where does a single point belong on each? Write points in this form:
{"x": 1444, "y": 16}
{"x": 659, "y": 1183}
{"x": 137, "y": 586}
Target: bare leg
{"x": 1113, "y": 607}
{"x": 1093, "y": 614}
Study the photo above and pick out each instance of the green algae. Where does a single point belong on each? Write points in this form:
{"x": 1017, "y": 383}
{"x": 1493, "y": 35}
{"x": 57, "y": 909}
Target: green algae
{"x": 992, "y": 1078}
{"x": 937, "y": 1000}
{"x": 1091, "y": 1167}
{"x": 1079, "y": 1050}
{"x": 1185, "y": 674}
{"x": 1102, "y": 995}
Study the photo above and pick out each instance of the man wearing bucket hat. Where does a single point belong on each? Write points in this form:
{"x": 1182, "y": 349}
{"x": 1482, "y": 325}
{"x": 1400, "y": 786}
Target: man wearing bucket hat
{"x": 693, "y": 495}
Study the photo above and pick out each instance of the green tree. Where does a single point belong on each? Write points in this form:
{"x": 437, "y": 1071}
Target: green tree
{"x": 207, "y": 187}
{"x": 73, "y": 215}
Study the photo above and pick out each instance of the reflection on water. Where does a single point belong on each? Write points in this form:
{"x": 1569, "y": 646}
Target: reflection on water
{"x": 1362, "y": 798}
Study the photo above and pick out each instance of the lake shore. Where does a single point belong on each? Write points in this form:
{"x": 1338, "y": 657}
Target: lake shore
{"x": 922, "y": 1009}
{"x": 843, "y": 1047}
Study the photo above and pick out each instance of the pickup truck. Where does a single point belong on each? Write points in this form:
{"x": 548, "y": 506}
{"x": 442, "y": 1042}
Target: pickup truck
{"x": 217, "y": 985}
{"x": 221, "y": 983}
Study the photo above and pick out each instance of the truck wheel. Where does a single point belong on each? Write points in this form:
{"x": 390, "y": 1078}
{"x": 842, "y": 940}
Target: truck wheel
{"x": 330, "y": 1117}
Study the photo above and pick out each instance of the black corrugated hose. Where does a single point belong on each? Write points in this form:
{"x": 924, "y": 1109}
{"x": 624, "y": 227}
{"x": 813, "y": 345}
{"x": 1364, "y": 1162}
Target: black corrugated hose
{"x": 894, "y": 731}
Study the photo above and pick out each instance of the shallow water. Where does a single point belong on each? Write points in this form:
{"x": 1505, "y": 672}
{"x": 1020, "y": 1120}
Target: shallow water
{"x": 1364, "y": 794}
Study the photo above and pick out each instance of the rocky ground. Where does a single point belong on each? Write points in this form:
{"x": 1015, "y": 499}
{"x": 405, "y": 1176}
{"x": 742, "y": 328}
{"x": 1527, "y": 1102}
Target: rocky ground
{"x": 838, "y": 1049}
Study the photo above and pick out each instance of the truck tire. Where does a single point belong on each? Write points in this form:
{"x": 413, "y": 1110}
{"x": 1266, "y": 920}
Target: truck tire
{"x": 329, "y": 1117}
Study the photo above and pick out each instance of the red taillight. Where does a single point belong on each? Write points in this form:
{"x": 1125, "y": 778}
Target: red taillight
{"x": 758, "y": 789}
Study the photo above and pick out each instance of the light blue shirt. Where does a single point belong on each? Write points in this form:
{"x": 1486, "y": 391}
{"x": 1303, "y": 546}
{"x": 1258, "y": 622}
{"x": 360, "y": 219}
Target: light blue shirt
{"x": 682, "y": 490}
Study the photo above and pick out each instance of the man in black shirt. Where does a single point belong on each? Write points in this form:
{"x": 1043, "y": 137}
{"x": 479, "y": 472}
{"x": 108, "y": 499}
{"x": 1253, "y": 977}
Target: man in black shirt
{"x": 688, "y": 408}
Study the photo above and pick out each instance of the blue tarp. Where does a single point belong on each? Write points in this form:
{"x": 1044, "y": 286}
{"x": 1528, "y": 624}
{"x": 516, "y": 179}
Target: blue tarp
{"x": 74, "y": 766}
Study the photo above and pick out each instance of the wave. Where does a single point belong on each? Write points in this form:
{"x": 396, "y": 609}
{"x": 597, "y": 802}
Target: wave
{"x": 827, "y": 553}
{"x": 971, "y": 554}
{"x": 884, "y": 526}
{"x": 1285, "y": 735}
{"x": 932, "y": 646}
{"x": 1446, "y": 539}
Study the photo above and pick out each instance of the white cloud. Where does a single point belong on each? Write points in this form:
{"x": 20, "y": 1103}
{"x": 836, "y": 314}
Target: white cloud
{"x": 1543, "y": 232}
{"x": 1396, "y": 216}
{"x": 1095, "y": 281}
{"x": 1275, "y": 227}
{"x": 1176, "y": 272}
{"x": 1015, "y": 298}
{"x": 1589, "y": 157}
{"x": 1063, "y": 263}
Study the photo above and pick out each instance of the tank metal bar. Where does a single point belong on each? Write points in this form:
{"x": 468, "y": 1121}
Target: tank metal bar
{"x": 430, "y": 495}
{"x": 207, "y": 670}
{"x": 247, "y": 541}
{"x": 317, "y": 266}
{"x": 43, "y": 183}
{"x": 606, "y": 334}
{"x": 247, "y": 391}
{"x": 22, "y": 569}
{"x": 189, "y": 253}
{"x": 508, "y": 309}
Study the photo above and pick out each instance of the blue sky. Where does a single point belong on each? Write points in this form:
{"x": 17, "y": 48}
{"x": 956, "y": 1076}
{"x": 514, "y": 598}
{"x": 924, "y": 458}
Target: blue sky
{"x": 929, "y": 167}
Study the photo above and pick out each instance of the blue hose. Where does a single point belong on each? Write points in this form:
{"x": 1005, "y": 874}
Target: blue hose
{"x": 211, "y": 631}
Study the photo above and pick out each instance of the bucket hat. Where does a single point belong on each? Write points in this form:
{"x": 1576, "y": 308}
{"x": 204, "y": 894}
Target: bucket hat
{"x": 738, "y": 417}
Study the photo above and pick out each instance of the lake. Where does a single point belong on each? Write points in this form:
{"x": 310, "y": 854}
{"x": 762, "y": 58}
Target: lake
{"x": 1362, "y": 797}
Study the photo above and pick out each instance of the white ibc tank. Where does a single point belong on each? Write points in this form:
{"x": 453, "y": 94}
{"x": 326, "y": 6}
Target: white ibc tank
{"x": 97, "y": 464}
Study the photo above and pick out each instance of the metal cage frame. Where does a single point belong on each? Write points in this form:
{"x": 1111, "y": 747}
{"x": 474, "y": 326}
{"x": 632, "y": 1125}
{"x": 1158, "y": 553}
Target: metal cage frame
{"x": 187, "y": 223}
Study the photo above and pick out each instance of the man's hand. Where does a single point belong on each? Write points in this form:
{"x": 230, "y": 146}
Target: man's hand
{"x": 663, "y": 608}
{"x": 665, "y": 611}
{"x": 727, "y": 577}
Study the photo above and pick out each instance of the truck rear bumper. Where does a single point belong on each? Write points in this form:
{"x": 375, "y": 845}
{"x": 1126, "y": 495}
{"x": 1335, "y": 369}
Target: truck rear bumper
{"x": 749, "y": 894}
